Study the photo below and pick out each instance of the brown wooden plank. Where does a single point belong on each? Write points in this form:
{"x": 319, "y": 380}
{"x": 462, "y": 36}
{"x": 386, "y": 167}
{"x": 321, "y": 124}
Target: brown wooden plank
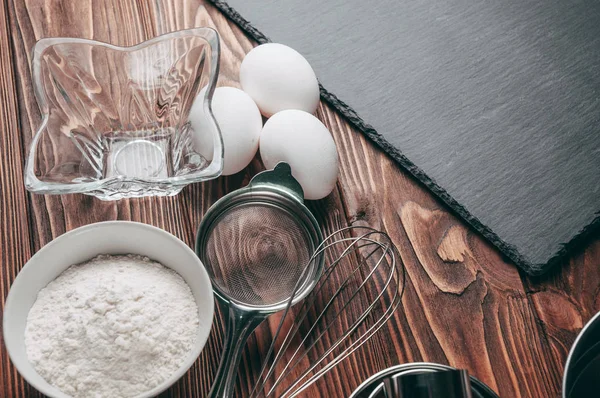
{"x": 15, "y": 243}
{"x": 463, "y": 304}
{"x": 567, "y": 298}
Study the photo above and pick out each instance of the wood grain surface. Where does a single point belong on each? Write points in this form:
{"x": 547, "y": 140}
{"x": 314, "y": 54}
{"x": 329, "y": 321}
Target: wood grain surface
{"x": 463, "y": 305}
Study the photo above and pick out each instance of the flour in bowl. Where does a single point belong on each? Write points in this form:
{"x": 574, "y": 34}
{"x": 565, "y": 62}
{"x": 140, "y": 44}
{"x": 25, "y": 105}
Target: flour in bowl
{"x": 115, "y": 326}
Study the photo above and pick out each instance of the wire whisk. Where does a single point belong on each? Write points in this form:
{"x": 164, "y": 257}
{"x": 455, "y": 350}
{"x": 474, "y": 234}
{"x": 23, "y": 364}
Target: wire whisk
{"x": 360, "y": 287}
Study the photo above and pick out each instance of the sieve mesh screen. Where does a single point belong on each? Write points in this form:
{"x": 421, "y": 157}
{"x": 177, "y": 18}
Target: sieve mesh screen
{"x": 256, "y": 252}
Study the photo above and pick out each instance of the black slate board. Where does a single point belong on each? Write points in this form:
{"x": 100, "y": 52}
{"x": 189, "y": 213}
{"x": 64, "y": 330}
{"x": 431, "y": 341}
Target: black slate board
{"x": 494, "y": 105}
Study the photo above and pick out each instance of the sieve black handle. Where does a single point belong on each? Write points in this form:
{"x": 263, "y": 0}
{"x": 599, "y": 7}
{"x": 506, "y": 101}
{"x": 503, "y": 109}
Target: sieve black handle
{"x": 240, "y": 325}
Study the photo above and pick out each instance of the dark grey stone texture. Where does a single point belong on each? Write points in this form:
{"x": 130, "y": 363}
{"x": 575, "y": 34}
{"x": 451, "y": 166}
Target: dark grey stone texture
{"x": 497, "y": 102}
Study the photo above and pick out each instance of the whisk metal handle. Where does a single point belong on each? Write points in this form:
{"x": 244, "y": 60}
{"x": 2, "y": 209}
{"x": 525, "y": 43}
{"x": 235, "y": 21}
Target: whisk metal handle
{"x": 240, "y": 325}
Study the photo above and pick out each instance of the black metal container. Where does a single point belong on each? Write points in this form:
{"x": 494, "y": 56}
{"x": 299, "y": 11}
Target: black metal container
{"x": 373, "y": 385}
{"x": 582, "y": 370}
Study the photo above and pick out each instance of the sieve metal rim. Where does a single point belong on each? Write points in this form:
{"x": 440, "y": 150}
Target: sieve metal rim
{"x": 270, "y": 195}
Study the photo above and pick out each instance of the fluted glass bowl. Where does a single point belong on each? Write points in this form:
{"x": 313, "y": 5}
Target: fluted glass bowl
{"x": 115, "y": 119}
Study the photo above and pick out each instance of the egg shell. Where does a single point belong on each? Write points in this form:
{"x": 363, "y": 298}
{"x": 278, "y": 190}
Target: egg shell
{"x": 278, "y": 77}
{"x": 301, "y": 140}
{"x": 240, "y": 123}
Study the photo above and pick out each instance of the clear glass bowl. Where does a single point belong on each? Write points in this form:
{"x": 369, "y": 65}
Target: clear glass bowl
{"x": 115, "y": 119}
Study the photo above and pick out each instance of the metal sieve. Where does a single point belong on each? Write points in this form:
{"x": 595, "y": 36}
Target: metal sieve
{"x": 256, "y": 244}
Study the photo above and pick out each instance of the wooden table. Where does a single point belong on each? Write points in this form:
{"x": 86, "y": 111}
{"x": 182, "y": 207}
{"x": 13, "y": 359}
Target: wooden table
{"x": 463, "y": 305}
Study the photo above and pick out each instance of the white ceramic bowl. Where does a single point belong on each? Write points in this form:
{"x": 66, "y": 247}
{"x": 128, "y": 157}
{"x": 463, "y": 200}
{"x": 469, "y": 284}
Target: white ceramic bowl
{"x": 81, "y": 244}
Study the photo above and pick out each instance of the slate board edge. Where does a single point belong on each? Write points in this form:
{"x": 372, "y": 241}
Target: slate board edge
{"x": 576, "y": 243}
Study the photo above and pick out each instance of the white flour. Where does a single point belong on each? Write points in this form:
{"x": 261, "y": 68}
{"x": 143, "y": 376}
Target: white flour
{"x": 115, "y": 326}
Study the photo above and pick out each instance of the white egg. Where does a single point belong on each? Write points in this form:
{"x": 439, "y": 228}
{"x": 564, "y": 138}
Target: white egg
{"x": 301, "y": 140}
{"x": 277, "y": 77}
{"x": 240, "y": 123}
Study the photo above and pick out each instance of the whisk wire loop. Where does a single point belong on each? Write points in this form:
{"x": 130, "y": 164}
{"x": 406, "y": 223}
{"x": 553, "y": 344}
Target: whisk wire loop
{"x": 366, "y": 283}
